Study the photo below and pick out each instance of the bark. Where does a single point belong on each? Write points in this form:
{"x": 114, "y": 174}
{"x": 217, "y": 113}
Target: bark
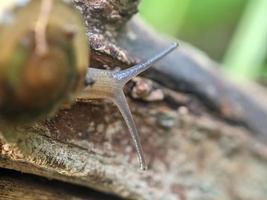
{"x": 15, "y": 185}
{"x": 202, "y": 135}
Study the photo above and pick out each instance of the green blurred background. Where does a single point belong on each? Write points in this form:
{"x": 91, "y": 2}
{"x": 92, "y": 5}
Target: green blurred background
{"x": 232, "y": 32}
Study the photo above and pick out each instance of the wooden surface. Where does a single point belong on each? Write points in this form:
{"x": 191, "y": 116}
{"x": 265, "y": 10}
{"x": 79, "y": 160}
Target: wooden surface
{"x": 18, "y": 186}
{"x": 194, "y": 156}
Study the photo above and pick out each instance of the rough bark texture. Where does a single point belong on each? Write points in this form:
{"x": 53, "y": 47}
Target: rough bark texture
{"x": 15, "y": 185}
{"x": 202, "y": 136}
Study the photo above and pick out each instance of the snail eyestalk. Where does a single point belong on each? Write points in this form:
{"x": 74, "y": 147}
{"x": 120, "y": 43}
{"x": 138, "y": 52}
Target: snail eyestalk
{"x": 125, "y": 75}
{"x": 41, "y": 26}
{"x": 109, "y": 85}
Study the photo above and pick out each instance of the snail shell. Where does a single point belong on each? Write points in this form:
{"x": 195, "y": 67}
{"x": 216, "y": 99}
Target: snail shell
{"x": 33, "y": 85}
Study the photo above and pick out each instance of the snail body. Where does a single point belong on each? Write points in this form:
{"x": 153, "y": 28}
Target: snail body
{"x": 44, "y": 63}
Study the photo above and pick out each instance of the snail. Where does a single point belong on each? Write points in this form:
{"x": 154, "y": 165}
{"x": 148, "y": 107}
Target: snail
{"x": 44, "y": 62}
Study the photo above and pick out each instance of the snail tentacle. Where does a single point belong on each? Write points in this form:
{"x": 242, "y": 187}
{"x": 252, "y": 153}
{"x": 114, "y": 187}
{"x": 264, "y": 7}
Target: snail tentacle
{"x": 104, "y": 84}
{"x": 125, "y": 75}
{"x": 122, "y": 104}
{"x": 41, "y": 27}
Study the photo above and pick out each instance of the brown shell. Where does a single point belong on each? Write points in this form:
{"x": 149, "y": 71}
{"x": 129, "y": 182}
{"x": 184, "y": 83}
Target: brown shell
{"x": 32, "y": 85}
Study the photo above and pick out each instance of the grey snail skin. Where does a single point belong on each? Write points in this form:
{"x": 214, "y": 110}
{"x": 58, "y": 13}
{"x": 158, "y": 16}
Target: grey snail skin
{"x": 109, "y": 85}
{"x": 44, "y": 63}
